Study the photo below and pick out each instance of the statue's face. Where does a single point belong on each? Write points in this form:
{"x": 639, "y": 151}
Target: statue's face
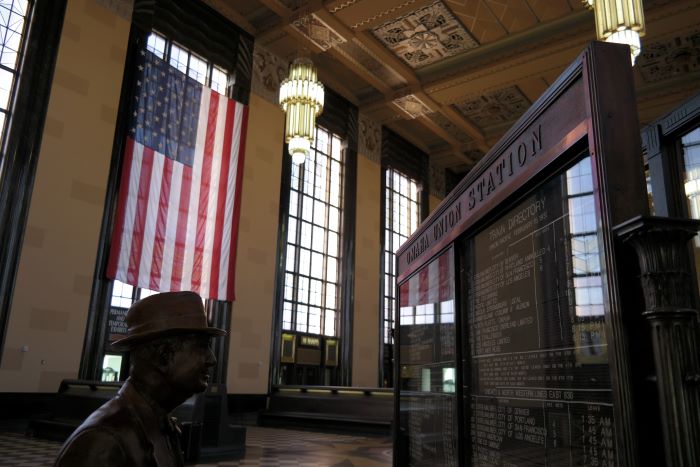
{"x": 189, "y": 369}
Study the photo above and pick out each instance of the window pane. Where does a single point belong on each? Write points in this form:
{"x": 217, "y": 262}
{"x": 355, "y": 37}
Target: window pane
{"x": 316, "y": 225}
{"x": 178, "y": 58}
{"x": 332, "y": 244}
{"x": 306, "y": 235}
{"x": 287, "y": 316}
{"x": 292, "y": 230}
{"x": 218, "y": 80}
{"x": 315, "y": 292}
{"x": 329, "y": 328}
{"x": 333, "y": 219}
{"x": 6, "y": 78}
{"x": 400, "y": 220}
{"x": 319, "y": 213}
{"x": 304, "y": 261}
{"x": 290, "y": 258}
{"x": 319, "y": 243}
{"x": 314, "y": 320}
{"x": 317, "y": 266}
{"x": 156, "y": 44}
{"x": 121, "y": 294}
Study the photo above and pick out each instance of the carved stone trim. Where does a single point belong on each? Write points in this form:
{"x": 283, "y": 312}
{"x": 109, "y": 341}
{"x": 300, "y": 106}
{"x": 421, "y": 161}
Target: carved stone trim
{"x": 370, "y": 138}
{"x": 381, "y": 14}
{"x": 268, "y": 72}
{"x": 412, "y": 106}
{"x": 123, "y": 8}
{"x": 317, "y": 31}
{"x": 437, "y": 181}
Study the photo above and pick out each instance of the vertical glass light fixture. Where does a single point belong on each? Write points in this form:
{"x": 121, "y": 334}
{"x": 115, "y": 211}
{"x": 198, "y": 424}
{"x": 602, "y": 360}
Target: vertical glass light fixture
{"x": 301, "y": 98}
{"x": 619, "y": 21}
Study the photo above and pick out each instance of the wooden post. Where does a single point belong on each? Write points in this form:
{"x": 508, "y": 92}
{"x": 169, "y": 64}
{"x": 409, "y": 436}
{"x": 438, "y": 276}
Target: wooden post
{"x": 661, "y": 245}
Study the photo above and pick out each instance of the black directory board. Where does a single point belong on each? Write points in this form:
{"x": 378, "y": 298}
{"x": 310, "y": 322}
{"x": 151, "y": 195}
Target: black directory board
{"x": 543, "y": 373}
{"x": 429, "y": 414}
{"x": 537, "y": 355}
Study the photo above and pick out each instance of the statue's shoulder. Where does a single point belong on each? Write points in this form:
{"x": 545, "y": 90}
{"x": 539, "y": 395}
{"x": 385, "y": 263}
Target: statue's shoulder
{"x": 110, "y": 436}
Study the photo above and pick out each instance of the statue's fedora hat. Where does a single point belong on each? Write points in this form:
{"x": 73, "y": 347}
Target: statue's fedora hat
{"x": 165, "y": 314}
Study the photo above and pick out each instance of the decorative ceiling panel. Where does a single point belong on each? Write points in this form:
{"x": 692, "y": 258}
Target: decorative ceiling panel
{"x": 495, "y": 108}
{"x": 670, "y": 57}
{"x": 425, "y": 36}
{"x": 478, "y": 19}
{"x": 514, "y": 15}
{"x": 317, "y": 31}
{"x": 359, "y": 54}
{"x": 412, "y": 106}
{"x": 268, "y": 72}
{"x": 548, "y": 10}
{"x": 451, "y": 129}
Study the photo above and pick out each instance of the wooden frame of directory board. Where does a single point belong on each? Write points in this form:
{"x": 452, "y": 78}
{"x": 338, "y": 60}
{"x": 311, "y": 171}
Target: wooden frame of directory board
{"x": 589, "y": 110}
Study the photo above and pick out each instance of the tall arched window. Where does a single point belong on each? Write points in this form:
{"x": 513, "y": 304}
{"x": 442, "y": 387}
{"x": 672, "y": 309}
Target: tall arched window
{"x": 404, "y": 206}
{"x": 312, "y": 332}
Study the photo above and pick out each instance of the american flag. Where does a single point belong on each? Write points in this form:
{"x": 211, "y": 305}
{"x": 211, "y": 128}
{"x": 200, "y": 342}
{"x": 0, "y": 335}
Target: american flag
{"x": 432, "y": 284}
{"x": 177, "y": 214}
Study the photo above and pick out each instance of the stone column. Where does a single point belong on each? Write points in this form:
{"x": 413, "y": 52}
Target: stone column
{"x": 661, "y": 245}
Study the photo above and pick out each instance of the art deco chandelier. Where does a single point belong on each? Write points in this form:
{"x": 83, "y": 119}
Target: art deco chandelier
{"x": 301, "y": 98}
{"x": 619, "y": 21}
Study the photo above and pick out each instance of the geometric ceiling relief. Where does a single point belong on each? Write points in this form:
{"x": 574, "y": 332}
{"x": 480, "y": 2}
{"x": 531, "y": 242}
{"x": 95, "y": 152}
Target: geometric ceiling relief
{"x": 497, "y": 107}
{"x": 317, "y": 31}
{"x": 268, "y": 72}
{"x": 670, "y": 57}
{"x": 358, "y": 53}
{"x": 425, "y": 36}
{"x": 412, "y": 106}
{"x": 451, "y": 129}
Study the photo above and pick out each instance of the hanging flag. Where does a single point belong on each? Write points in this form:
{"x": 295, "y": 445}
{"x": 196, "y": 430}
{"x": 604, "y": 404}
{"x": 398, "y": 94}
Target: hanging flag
{"x": 176, "y": 223}
{"x": 432, "y": 284}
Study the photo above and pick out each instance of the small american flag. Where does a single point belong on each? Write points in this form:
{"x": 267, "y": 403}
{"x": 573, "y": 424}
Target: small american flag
{"x": 177, "y": 214}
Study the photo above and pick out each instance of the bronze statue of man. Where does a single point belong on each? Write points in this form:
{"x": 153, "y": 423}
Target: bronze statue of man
{"x": 168, "y": 339}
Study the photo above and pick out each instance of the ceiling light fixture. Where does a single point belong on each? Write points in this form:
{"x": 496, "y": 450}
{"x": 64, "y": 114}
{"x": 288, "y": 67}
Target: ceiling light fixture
{"x": 619, "y": 21}
{"x": 301, "y": 98}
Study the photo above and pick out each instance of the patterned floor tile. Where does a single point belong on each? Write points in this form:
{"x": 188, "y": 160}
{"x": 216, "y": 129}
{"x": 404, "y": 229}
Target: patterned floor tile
{"x": 265, "y": 447}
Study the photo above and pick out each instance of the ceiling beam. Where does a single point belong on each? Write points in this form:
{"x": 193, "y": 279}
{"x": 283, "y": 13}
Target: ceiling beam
{"x": 231, "y": 14}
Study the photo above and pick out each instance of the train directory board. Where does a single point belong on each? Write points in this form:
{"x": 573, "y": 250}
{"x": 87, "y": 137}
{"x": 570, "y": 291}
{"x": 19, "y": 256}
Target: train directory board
{"x": 538, "y": 362}
{"x": 542, "y": 363}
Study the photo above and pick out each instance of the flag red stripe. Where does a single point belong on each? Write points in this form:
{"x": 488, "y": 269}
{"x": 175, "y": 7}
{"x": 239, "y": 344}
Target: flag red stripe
{"x": 204, "y": 192}
{"x": 230, "y": 292}
{"x": 181, "y": 231}
{"x": 444, "y": 273}
{"x": 403, "y": 295}
{"x": 221, "y": 199}
{"x": 118, "y": 231}
{"x": 132, "y": 273}
{"x": 157, "y": 261}
{"x": 423, "y": 284}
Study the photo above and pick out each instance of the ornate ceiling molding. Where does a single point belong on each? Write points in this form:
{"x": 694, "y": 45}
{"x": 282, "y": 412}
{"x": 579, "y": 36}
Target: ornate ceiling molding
{"x": 382, "y": 14}
{"x": 317, "y": 31}
{"x": 123, "y": 8}
{"x": 412, "y": 106}
{"x": 495, "y": 108}
{"x": 268, "y": 72}
{"x": 669, "y": 57}
{"x": 370, "y": 138}
{"x": 342, "y": 6}
{"x": 427, "y": 35}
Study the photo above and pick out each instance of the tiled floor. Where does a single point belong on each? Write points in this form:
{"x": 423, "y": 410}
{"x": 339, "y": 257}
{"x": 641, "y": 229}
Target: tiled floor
{"x": 265, "y": 447}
